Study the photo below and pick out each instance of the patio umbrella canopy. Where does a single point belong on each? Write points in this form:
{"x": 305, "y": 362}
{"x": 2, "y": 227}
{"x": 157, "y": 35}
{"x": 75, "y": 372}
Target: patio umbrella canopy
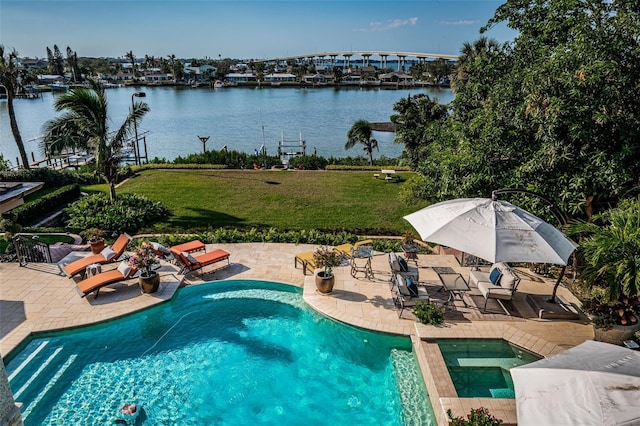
{"x": 494, "y": 230}
{"x": 593, "y": 383}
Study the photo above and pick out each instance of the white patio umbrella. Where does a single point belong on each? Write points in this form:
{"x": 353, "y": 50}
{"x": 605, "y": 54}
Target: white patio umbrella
{"x": 493, "y": 230}
{"x": 593, "y": 383}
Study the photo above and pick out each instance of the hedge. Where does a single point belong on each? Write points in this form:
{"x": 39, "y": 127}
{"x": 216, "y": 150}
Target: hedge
{"x": 33, "y": 210}
{"x": 51, "y": 178}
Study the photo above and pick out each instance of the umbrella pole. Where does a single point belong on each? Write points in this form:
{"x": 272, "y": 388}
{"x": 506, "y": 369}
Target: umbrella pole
{"x": 555, "y": 287}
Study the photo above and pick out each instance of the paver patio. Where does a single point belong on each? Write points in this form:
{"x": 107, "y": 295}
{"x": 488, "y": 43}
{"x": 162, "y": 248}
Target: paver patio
{"x": 38, "y": 298}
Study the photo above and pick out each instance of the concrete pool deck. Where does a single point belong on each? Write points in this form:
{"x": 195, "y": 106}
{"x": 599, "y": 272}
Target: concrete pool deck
{"x": 38, "y": 298}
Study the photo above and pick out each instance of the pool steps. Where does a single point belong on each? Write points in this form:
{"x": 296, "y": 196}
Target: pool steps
{"x": 28, "y": 360}
{"x": 504, "y": 363}
{"x": 44, "y": 359}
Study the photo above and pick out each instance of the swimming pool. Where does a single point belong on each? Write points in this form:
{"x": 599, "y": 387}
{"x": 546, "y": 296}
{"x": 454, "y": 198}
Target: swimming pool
{"x": 480, "y": 367}
{"x": 226, "y": 353}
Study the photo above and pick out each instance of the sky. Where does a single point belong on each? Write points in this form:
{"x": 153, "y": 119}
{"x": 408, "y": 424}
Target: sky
{"x": 242, "y": 29}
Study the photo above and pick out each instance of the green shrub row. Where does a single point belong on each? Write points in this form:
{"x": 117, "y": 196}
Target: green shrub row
{"x": 242, "y": 160}
{"x": 368, "y": 168}
{"x": 51, "y": 178}
{"x": 151, "y": 166}
{"x": 272, "y": 235}
{"x": 128, "y": 213}
{"x": 33, "y": 210}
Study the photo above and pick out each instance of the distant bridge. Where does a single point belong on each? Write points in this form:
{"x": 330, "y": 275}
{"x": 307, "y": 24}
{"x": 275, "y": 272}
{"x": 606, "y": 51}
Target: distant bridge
{"x": 365, "y": 56}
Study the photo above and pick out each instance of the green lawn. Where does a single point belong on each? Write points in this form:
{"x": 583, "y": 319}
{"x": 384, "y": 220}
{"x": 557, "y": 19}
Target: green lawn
{"x": 287, "y": 200}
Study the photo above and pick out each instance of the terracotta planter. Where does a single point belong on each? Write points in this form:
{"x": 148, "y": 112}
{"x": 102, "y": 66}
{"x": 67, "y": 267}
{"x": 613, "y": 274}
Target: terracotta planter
{"x": 325, "y": 284}
{"x": 149, "y": 284}
{"x": 616, "y": 335}
{"x": 97, "y": 246}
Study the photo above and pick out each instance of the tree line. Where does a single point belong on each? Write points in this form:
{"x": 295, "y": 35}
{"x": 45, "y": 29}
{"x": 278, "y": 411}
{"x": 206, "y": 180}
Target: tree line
{"x": 555, "y": 112}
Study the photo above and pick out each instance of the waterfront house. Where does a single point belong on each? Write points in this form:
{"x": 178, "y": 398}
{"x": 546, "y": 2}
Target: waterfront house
{"x": 199, "y": 73}
{"x": 157, "y": 79}
{"x": 49, "y": 78}
{"x": 240, "y": 77}
{"x": 397, "y": 78}
{"x": 279, "y": 77}
{"x": 317, "y": 79}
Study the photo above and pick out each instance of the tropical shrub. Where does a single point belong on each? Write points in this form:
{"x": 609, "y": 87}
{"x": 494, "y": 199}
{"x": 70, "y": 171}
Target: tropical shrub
{"x": 128, "y": 213}
{"x": 310, "y": 162}
{"x": 429, "y": 313}
{"x": 610, "y": 263}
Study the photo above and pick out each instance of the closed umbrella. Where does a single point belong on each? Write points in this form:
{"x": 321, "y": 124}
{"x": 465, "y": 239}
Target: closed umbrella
{"x": 593, "y": 383}
{"x": 494, "y": 230}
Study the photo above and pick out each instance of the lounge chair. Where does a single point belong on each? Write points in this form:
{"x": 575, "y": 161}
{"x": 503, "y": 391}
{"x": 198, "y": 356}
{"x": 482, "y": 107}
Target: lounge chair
{"x": 306, "y": 260}
{"x": 403, "y": 297}
{"x": 108, "y": 255}
{"x": 96, "y": 282}
{"x": 188, "y": 247}
{"x": 399, "y": 268}
{"x": 191, "y": 263}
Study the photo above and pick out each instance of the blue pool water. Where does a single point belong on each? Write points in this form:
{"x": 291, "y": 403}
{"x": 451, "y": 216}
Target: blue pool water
{"x": 480, "y": 367}
{"x": 225, "y": 353}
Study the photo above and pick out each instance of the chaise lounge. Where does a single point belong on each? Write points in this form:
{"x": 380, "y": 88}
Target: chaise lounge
{"x": 306, "y": 261}
{"x": 191, "y": 263}
{"x": 108, "y": 255}
{"x": 188, "y": 247}
{"x": 96, "y": 282}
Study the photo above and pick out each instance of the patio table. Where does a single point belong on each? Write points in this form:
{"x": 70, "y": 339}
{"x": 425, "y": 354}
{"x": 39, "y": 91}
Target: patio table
{"x": 455, "y": 284}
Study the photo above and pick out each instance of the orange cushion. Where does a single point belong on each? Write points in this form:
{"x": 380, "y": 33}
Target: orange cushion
{"x": 99, "y": 280}
{"x": 209, "y": 258}
{"x": 194, "y": 245}
{"x": 81, "y": 264}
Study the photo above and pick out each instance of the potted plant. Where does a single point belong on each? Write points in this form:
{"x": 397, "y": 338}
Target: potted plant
{"x": 327, "y": 259}
{"x": 144, "y": 258}
{"x": 407, "y": 238}
{"x": 409, "y": 246}
{"x": 95, "y": 238}
{"x": 609, "y": 269}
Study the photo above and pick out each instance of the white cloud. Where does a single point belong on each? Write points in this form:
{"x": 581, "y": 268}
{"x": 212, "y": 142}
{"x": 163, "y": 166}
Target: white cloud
{"x": 390, "y": 25}
{"x": 460, "y": 22}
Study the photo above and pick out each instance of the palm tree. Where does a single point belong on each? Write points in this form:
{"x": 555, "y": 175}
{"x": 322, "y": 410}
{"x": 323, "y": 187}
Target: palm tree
{"x": 610, "y": 251}
{"x": 9, "y": 72}
{"x": 469, "y": 54}
{"x": 361, "y": 132}
{"x": 85, "y": 119}
{"x": 129, "y": 55}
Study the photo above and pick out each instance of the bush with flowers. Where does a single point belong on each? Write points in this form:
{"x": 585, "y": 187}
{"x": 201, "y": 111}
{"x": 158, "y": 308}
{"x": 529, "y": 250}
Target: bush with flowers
{"x": 144, "y": 258}
{"x": 477, "y": 417}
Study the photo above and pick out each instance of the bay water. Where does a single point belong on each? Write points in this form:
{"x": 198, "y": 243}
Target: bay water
{"x": 242, "y": 119}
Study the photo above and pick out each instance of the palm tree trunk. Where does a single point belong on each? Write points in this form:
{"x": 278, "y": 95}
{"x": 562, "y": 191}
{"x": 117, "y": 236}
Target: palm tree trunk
{"x": 16, "y": 131}
{"x": 370, "y": 152}
{"x": 112, "y": 191}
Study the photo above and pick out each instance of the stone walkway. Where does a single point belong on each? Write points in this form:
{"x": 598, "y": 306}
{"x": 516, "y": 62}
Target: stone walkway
{"x": 39, "y": 298}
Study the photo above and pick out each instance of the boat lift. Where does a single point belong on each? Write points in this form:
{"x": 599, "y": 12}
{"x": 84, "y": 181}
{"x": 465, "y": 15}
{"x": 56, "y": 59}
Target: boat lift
{"x": 290, "y": 148}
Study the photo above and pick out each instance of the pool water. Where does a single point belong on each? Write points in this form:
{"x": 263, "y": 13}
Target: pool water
{"x": 226, "y": 353}
{"x": 480, "y": 367}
